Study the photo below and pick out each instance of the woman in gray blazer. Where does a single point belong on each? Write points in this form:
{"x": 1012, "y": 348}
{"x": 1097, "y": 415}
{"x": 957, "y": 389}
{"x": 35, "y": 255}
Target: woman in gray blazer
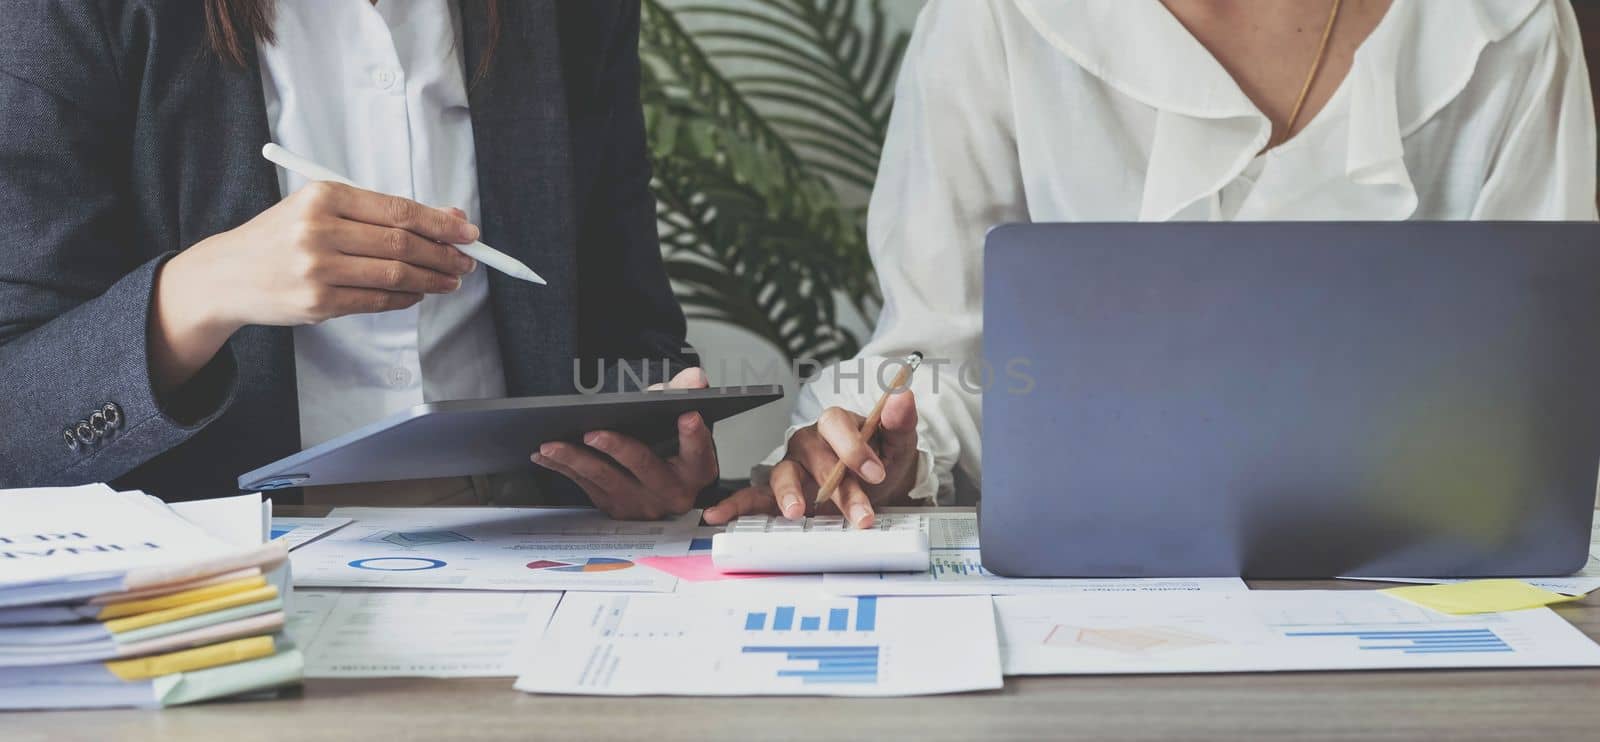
{"x": 168, "y": 319}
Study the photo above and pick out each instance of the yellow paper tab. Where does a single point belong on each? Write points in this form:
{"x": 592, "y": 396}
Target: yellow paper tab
{"x": 173, "y": 600}
{"x": 198, "y": 658}
{"x": 254, "y": 595}
{"x": 1479, "y": 596}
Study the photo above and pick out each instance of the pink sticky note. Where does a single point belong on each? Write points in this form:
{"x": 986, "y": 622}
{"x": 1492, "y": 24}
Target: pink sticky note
{"x": 695, "y": 568}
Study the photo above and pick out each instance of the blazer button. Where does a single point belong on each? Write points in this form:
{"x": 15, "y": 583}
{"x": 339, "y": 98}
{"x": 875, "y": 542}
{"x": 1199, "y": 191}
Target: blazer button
{"x": 113, "y": 415}
{"x": 84, "y": 433}
{"x": 72, "y": 440}
{"x": 99, "y": 424}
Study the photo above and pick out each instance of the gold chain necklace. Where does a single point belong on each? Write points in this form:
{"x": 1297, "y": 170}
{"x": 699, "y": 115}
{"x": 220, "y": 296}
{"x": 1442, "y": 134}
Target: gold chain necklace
{"x": 1316, "y": 66}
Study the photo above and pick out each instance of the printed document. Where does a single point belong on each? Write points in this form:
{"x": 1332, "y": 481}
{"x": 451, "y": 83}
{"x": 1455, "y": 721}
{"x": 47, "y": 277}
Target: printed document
{"x": 765, "y": 643}
{"x": 417, "y": 633}
{"x": 1271, "y": 630}
{"x": 492, "y": 549}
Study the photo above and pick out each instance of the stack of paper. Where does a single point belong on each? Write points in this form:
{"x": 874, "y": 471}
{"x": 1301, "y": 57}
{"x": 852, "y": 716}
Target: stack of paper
{"x": 115, "y": 599}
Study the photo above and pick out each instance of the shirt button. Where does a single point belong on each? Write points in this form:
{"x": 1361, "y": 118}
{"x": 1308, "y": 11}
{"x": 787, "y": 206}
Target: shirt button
{"x": 399, "y": 377}
{"x": 385, "y": 78}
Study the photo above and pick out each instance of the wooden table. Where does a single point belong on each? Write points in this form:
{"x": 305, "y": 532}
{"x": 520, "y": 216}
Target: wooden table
{"x": 1558, "y": 704}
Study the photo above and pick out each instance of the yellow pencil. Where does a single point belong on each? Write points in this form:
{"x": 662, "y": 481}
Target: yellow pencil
{"x": 870, "y": 427}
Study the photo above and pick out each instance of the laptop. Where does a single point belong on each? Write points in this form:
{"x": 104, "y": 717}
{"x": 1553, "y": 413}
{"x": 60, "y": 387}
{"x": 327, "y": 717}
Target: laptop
{"x": 1290, "y": 400}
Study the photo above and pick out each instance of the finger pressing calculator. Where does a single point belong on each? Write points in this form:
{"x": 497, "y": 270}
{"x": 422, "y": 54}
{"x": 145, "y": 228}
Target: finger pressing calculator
{"x": 824, "y": 543}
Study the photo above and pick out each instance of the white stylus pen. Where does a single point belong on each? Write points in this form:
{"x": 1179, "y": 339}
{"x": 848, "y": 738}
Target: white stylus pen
{"x": 477, "y": 251}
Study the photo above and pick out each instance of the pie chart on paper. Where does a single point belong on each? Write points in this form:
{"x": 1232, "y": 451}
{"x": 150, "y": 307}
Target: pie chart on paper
{"x": 591, "y": 564}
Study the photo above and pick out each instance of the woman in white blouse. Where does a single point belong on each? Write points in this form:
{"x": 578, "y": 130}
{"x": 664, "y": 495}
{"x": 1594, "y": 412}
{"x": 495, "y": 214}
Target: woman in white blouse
{"x": 1169, "y": 110}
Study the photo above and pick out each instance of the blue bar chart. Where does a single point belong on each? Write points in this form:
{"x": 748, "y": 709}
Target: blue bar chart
{"x": 826, "y": 664}
{"x": 1421, "y": 641}
{"x": 839, "y": 619}
{"x": 766, "y": 642}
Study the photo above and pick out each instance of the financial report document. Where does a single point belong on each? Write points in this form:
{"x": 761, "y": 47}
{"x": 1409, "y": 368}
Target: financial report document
{"x": 767, "y": 642}
{"x": 416, "y": 633}
{"x": 955, "y": 568}
{"x": 1110, "y": 633}
{"x": 492, "y": 549}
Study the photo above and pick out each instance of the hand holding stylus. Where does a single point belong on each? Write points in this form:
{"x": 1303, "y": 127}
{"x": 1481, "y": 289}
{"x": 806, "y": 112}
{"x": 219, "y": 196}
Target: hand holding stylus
{"x": 326, "y": 251}
{"x": 477, "y": 250}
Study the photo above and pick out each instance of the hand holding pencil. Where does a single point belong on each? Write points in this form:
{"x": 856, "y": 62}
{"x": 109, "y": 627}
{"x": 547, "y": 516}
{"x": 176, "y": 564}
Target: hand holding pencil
{"x": 845, "y": 462}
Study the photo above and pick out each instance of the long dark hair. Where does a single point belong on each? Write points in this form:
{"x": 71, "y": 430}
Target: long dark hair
{"x": 232, "y": 24}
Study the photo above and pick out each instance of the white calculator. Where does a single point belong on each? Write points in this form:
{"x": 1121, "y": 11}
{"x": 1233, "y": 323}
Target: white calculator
{"x": 825, "y": 543}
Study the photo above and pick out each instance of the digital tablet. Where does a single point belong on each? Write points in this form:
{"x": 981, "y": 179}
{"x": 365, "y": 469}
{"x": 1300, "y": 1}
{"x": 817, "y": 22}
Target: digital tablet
{"x": 486, "y": 436}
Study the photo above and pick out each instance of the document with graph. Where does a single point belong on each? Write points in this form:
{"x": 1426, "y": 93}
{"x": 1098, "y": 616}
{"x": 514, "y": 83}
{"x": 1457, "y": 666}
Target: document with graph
{"x": 417, "y": 633}
{"x": 492, "y": 549}
{"x": 765, "y": 643}
{"x": 954, "y": 568}
{"x": 1264, "y": 631}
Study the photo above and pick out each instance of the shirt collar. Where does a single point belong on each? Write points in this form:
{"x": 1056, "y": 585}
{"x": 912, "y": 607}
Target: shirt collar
{"x": 1418, "y": 60}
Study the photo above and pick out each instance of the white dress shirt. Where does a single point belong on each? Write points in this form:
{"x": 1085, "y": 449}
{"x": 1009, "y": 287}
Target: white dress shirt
{"x": 378, "y": 93}
{"x": 1109, "y": 110}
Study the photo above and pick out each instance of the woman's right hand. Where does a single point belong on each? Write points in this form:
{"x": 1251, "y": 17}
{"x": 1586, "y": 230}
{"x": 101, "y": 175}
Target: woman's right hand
{"x": 326, "y": 251}
{"x": 879, "y": 472}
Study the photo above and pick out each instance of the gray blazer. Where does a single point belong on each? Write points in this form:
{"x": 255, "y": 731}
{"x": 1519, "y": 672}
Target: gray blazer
{"x": 124, "y": 140}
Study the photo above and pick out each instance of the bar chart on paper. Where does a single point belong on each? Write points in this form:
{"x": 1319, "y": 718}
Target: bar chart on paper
{"x": 1442, "y": 641}
{"x": 783, "y": 618}
{"x": 757, "y": 645}
{"x": 817, "y": 664}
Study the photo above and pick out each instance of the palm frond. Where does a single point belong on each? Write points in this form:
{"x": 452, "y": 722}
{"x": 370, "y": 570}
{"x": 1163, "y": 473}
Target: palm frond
{"x": 753, "y": 230}
{"x": 840, "y": 55}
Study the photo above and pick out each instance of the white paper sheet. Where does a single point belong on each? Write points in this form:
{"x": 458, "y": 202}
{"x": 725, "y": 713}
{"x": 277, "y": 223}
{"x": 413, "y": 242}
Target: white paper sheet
{"x": 297, "y": 532}
{"x": 492, "y": 549}
{"x": 238, "y": 519}
{"x": 55, "y": 533}
{"x": 955, "y": 569}
{"x": 1270, "y": 631}
{"x": 417, "y": 633}
{"x": 765, "y": 644}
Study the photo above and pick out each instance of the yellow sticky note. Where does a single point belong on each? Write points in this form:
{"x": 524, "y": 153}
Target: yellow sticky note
{"x": 1479, "y": 596}
{"x": 198, "y": 658}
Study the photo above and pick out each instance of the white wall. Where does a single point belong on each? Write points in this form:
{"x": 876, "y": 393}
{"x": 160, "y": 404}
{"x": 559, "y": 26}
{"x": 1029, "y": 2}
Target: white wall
{"x": 745, "y": 440}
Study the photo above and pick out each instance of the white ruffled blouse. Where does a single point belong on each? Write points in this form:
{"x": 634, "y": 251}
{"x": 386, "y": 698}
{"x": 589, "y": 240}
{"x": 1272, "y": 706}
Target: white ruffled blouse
{"x": 1109, "y": 110}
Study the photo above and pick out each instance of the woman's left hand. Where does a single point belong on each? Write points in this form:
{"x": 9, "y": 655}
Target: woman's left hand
{"x": 640, "y": 485}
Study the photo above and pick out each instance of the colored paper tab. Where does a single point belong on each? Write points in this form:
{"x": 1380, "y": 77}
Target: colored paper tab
{"x": 254, "y": 595}
{"x": 185, "y": 597}
{"x": 1479, "y": 596}
{"x": 189, "y": 660}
